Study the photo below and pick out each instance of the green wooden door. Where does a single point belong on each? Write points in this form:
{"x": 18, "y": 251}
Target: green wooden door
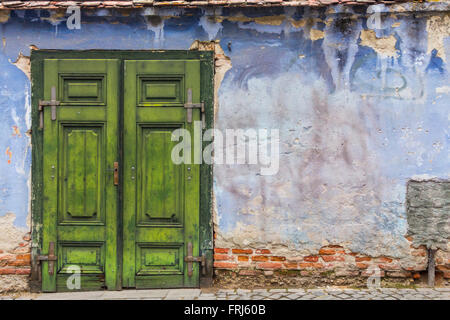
{"x": 161, "y": 198}
{"x": 79, "y": 196}
{"x": 160, "y": 203}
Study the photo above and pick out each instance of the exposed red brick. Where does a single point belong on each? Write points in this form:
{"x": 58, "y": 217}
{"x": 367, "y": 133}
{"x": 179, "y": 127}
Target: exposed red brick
{"x": 362, "y": 259}
{"x": 24, "y": 257}
{"x": 442, "y": 268}
{"x": 362, "y": 265}
{"x": 27, "y": 237}
{"x": 20, "y": 263}
{"x": 419, "y": 253}
{"x": 369, "y": 273}
{"x": 225, "y": 265}
{"x": 332, "y": 258}
{"x": 246, "y": 272}
{"x": 276, "y": 258}
{"x": 221, "y": 250}
{"x": 416, "y": 275}
{"x": 447, "y": 274}
{"x": 260, "y": 258}
{"x": 311, "y": 258}
{"x": 399, "y": 274}
{"x": 269, "y": 265}
{"x": 416, "y": 268}
{"x": 304, "y": 265}
{"x": 222, "y": 257}
{"x": 384, "y": 260}
{"x": 290, "y": 265}
{"x": 23, "y": 271}
{"x": 242, "y": 251}
{"x": 7, "y": 271}
{"x": 22, "y": 250}
{"x": 262, "y": 251}
{"x": 388, "y": 267}
{"x": 326, "y": 251}
{"x": 7, "y": 258}
{"x": 242, "y": 258}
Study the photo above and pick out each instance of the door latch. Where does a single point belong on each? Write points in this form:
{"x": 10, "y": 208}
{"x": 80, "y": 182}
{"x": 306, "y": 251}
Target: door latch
{"x": 52, "y": 103}
{"x": 116, "y": 173}
{"x": 51, "y": 258}
{"x": 190, "y": 259}
{"x": 189, "y": 106}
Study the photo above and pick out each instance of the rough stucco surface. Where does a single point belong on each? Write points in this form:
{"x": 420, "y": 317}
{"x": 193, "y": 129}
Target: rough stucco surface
{"x": 359, "y": 111}
{"x": 428, "y": 204}
{"x": 13, "y": 283}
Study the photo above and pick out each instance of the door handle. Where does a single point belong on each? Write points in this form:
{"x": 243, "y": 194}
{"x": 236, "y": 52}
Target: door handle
{"x": 116, "y": 173}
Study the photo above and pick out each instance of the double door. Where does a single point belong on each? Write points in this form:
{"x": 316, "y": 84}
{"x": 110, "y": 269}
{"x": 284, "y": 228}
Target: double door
{"x": 118, "y": 211}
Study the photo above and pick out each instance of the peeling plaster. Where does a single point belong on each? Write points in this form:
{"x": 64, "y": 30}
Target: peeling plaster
{"x": 14, "y": 283}
{"x": 444, "y": 89}
{"x": 4, "y": 16}
{"x": 23, "y": 63}
{"x": 10, "y": 235}
{"x": 315, "y": 34}
{"x": 438, "y": 28}
{"x": 222, "y": 64}
{"x": 384, "y": 46}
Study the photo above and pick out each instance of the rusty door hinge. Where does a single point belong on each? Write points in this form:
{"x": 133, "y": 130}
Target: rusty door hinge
{"x": 51, "y": 258}
{"x": 189, "y": 106}
{"x": 190, "y": 259}
{"x": 52, "y": 103}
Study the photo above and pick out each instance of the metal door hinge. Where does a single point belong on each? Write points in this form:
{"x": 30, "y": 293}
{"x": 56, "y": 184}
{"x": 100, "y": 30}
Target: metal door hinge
{"x": 52, "y": 103}
{"x": 189, "y": 106}
{"x": 51, "y": 258}
{"x": 190, "y": 259}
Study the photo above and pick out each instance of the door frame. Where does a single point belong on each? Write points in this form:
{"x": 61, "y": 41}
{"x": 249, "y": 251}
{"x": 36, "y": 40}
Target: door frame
{"x": 206, "y": 171}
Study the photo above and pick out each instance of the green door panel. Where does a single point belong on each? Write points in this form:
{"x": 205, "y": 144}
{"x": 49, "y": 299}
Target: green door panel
{"x": 160, "y": 190}
{"x": 161, "y": 199}
{"x": 80, "y": 147}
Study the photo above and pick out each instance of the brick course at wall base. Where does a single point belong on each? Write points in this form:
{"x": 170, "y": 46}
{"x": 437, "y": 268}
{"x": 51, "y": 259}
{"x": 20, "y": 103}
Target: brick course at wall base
{"x": 331, "y": 262}
{"x": 15, "y": 267}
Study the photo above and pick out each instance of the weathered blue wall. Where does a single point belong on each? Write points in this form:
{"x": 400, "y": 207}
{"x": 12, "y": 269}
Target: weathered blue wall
{"x": 360, "y": 112}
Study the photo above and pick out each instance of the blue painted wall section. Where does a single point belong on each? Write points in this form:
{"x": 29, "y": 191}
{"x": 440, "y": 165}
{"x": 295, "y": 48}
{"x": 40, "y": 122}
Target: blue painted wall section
{"x": 360, "y": 112}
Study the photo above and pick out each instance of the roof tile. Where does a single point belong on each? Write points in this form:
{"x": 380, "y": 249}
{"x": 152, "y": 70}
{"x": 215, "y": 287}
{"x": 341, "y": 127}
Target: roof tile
{"x": 10, "y": 4}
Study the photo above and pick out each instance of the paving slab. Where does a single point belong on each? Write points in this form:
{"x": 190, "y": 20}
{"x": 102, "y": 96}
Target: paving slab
{"x": 328, "y": 293}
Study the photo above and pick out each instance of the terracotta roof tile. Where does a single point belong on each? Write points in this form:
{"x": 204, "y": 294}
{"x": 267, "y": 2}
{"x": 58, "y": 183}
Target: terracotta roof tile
{"x": 10, "y": 4}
